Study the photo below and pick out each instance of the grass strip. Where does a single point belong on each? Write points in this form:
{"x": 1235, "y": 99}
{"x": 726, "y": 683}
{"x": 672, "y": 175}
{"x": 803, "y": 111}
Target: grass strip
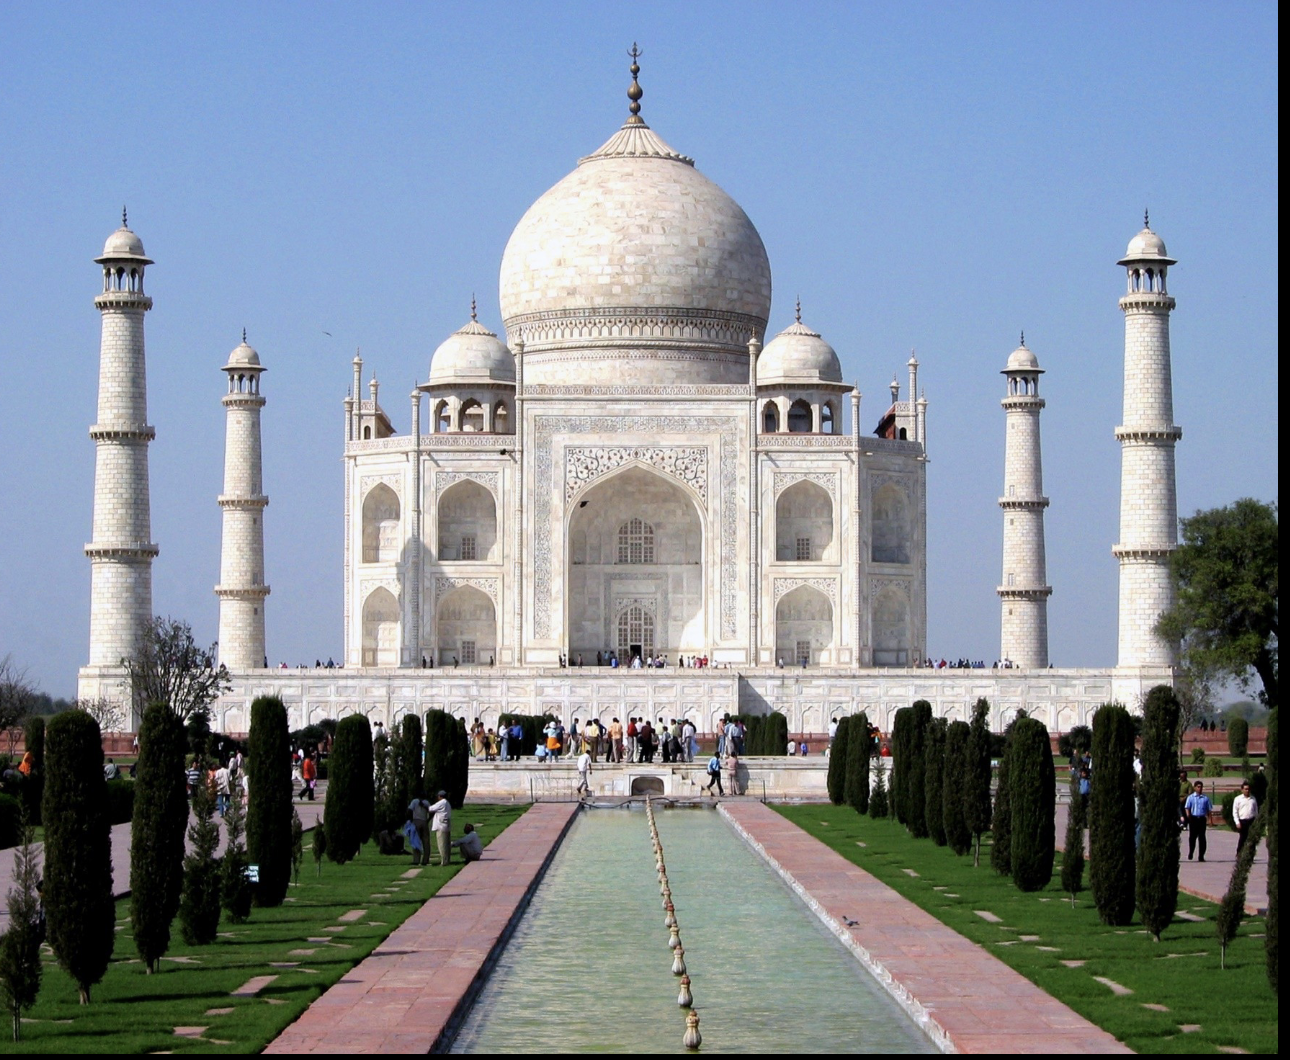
{"x": 1196, "y": 1008}
{"x": 298, "y": 942}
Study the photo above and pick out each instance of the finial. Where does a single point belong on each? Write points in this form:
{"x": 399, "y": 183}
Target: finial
{"x": 634, "y": 90}
{"x": 473, "y": 317}
{"x": 244, "y": 336}
{"x": 1146, "y": 218}
{"x": 799, "y": 308}
{"x": 124, "y": 222}
{"x": 1023, "y": 336}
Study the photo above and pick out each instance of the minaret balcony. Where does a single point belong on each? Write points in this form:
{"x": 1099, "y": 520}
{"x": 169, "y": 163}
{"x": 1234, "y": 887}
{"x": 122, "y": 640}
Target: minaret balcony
{"x": 225, "y": 500}
{"x": 1142, "y": 552}
{"x": 123, "y": 300}
{"x": 122, "y": 432}
{"x": 1148, "y": 434}
{"x": 123, "y": 550}
{"x": 242, "y": 591}
{"x": 1017, "y": 592}
{"x": 1021, "y": 503}
{"x": 1147, "y": 300}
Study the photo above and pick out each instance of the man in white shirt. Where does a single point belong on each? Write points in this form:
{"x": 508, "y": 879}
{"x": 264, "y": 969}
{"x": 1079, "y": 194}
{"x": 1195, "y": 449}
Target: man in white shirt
{"x": 441, "y": 825}
{"x": 584, "y": 773}
{"x": 1244, "y": 810}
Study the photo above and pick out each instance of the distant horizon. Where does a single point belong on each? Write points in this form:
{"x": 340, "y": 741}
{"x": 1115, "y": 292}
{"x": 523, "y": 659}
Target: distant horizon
{"x": 940, "y": 179}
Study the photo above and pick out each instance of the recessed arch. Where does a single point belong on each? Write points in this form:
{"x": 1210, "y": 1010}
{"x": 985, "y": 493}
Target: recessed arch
{"x": 804, "y": 523}
{"x": 803, "y": 627}
{"x": 770, "y": 418}
{"x": 381, "y": 629}
{"x": 466, "y": 627}
{"x": 467, "y": 519}
{"x": 381, "y": 525}
{"x": 891, "y": 525}
{"x": 891, "y": 628}
{"x": 501, "y": 418}
{"x": 799, "y": 417}
{"x": 471, "y": 416}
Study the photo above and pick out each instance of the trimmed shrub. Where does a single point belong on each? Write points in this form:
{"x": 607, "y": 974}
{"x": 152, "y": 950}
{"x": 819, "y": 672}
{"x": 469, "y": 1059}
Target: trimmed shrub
{"x": 78, "y": 899}
{"x": 837, "y": 778}
{"x": 1001, "y": 821}
{"x": 953, "y": 786}
{"x": 1238, "y": 737}
{"x": 775, "y": 735}
{"x": 447, "y": 757}
{"x": 10, "y": 822}
{"x": 1198, "y": 756}
{"x": 933, "y": 779}
{"x": 350, "y": 792}
{"x": 199, "y": 902}
{"x": 407, "y": 753}
{"x": 977, "y": 774}
{"x": 1073, "y": 854}
{"x": 120, "y": 800}
{"x": 1213, "y": 768}
{"x": 1111, "y": 816}
{"x": 158, "y": 821}
{"x": 268, "y": 812}
{"x": 857, "y": 776}
{"x": 878, "y": 806}
{"x": 1032, "y": 798}
{"x": 1273, "y": 919}
{"x": 900, "y": 754}
{"x": 33, "y": 788}
{"x": 1158, "y": 850}
{"x": 916, "y": 777}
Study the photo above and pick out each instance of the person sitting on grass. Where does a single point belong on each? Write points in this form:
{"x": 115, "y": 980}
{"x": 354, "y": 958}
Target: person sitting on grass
{"x": 469, "y": 844}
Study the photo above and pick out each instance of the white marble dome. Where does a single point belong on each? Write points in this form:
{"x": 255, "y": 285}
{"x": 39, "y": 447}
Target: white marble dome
{"x": 635, "y": 267}
{"x": 243, "y": 356}
{"x": 1022, "y": 360}
{"x": 472, "y": 354}
{"x": 123, "y": 244}
{"x": 798, "y": 355}
{"x": 1146, "y": 246}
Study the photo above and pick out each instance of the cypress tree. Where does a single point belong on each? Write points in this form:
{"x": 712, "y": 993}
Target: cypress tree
{"x": 297, "y": 846}
{"x": 977, "y": 772}
{"x": 199, "y": 903}
{"x": 1231, "y": 910}
{"x": 1032, "y": 800}
{"x": 1238, "y": 737}
{"x": 933, "y": 779}
{"x": 1158, "y": 850}
{"x": 878, "y": 806}
{"x": 268, "y": 813}
{"x": 20, "y": 967}
{"x": 1273, "y": 811}
{"x": 900, "y": 752}
{"x": 33, "y": 786}
{"x": 78, "y": 850}
{"x": 837, "y": 778}
{"x": 1110, "y": 816}
{"x": 350, "y": 791}
{"x": 387, "y": 813}
{"x": 447, "y": 757}
{"x": 408, "y": 757}
{"x": 1073, "y": 854}
{"x": 157, "y": 832}
{"x": 775, "y": 736}
{"x": 1001, "y": 822}
{"x": 953, "y": 788}
{"x": 235, "y": 889}
{"x": 916, "y": 775}
{"x": 857, "y": 781}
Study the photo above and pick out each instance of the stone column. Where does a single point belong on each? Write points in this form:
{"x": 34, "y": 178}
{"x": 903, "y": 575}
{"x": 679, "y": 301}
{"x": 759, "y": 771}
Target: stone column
{"x": 416, "y": 588}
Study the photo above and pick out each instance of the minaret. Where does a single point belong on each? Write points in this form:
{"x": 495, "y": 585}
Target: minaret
{"x": 121, "y": 552}
{"x": 1148, "y": 492}
{"x": 1024, "y": 592}
{"x": 241, "y": 589}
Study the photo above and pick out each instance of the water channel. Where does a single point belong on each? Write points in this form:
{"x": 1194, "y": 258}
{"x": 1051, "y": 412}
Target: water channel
{"x": 589, "y": 969}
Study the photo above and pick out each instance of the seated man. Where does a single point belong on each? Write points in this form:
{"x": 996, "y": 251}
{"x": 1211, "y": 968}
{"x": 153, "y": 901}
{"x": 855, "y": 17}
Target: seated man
{"x": 111, "y": 771}
{"x": 390, "y": 843}
{"x": 471, "y": 847}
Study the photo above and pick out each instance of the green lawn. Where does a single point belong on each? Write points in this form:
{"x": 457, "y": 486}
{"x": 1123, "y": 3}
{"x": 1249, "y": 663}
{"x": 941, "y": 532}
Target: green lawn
{"x": 1234, "y": 1008}
{"x": 132, "y": 1012}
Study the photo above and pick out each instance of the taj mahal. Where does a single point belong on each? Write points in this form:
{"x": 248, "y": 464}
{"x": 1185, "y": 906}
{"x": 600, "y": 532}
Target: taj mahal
{"x": 629, "y": 470}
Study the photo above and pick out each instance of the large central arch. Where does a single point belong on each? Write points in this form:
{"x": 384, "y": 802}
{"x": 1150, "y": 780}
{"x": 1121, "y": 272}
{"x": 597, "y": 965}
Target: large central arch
{"x": 636, "y": 546}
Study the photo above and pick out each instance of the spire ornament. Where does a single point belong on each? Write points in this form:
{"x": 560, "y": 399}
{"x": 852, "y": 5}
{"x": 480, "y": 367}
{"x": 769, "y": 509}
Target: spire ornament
{"x": 473, "y": 314}
{"x": 799, "y": 308}
{"x": 1023, "y": 336}
{"x": 634, "y": 90}
{"x": 244, "y": 336}
{"x": 124, "y": 222}
{"x": 1146, "y": 218}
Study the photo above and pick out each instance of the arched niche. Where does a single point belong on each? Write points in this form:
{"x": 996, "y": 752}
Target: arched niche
{"x": 804, "y": 524}
{"x": 381, "y": 629}
{"x": 467, "y": 517}
{"x": 770, "y": 418}
{"x": 891, "y": 525}
{"x": 799, "y": 417}
{"x": 380, "y": 525}
{"x": 472, "y": 416}
{"x": 803, "y": 626}
{"x": 653, "y": 525}
{"x": 466, "y": 628}
{"x": 891, "y": 628}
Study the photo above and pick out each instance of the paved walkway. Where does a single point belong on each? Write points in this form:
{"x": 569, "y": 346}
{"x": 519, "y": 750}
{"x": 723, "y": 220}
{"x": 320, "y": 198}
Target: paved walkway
{"x": 1209, "y": 878}
{"x": 964, "y": 998}
{"x": 409, "y": 992}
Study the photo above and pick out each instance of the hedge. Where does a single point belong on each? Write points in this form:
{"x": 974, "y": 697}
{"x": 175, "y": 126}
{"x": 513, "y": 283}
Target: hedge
{"x": 1238, "y": 737}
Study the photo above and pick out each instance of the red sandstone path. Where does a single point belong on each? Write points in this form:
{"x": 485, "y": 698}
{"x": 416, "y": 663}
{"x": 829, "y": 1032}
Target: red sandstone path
{"x": 404, "y": 996}
{"x": 961, "y": 995}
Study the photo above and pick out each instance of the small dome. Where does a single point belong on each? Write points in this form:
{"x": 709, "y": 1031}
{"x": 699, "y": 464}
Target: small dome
{"x": 123, "y": 243}
{"x": 1022, "y": 360}
{"x": 472, "y": 354}
{"x": 798, "y": 355}
{"x": 1146, "y": 246}
{"x": 243, "y": 357}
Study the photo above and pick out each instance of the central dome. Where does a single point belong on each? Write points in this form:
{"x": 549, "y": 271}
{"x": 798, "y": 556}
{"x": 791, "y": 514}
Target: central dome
{"x": 635, "y": 268}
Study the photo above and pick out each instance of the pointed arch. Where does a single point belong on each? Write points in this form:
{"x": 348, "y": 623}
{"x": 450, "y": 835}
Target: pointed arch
{"x": 466, "y": 627}
{"x": 803, "y": 627}
{"x": 381, "y": 537}
{"x": 467, "y": 520}
{"x": 381, "y": 629}
{"x": 804, "y": 524}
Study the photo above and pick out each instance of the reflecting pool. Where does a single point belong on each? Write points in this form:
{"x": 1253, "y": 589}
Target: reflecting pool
{"x": 589, "y": 969}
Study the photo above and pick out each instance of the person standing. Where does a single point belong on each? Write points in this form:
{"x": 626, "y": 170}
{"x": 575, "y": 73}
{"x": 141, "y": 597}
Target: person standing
{"x": 309, "y": 775}
{"x": 631, "y": 739}
{"x": 833, "y": 731}
{"x": 615, "y": 741}
{"x": 714, "y": 775}
{"x": 1244, "y": 810}
{"x": 732, "y": 770}
{"x": 584, "y": 773}
{"x": 221, "y": 790}
{"x": 1197, "y": 810}
{"x": 690, "y": 740}
{"x": 419, "y": 819}
{"x": 441, "y": 825}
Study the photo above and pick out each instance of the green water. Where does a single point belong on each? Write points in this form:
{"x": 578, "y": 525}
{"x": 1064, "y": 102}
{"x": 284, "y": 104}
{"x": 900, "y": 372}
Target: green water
{"x": 589, "y": 969}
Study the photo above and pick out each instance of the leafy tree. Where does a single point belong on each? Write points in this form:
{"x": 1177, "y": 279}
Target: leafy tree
{"x": 1231, "y": 910}
{"x": 1073, "y": 855}
{"x": 1226, "y": 571}
{"x": 934, "y": 779}
{"x": 878, "y": 806}
{"x": 1272, "y": 810}
{"x": 168, "y": 667}
{"x": 1238, "y": 737}
{"x": 900, "y": 755}
{"x": 17, "y": 696}
{"x": 1033, "y": 803}
{"x": 1078, "y": 739}
{"x": 977, "y": 772}
{"x": 856, "y": 788}
{"x": 1110, "y": 818}
{"x": 157, "y": 833}
{"x": 236, "y": 891}
{"x": 350, "y": 791}
{"x": 916, "y": 777}
{"x": 20, "y": 968}
{"x": 837, "y": 777}
{"x": 297, "y": 846}
{"x": 953, "y": 787}
{"x": 110, "y": 715}
{"x": 33, "y": 788}
{"x": 268, "y": 818}
{"x": 1157, "y": 882}
{"x": 199, "y": 904}
{"x": 78, "y": 850}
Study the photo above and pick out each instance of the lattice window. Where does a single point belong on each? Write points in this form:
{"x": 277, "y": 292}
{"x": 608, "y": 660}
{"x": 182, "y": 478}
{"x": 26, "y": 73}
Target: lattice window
{"x": 468, "y": 655}
{"x": 635, "y": 627}
{"x": 468, "y": 546}
{"x": 636, "y": 542}
{"x": 803, "y": 549}
{"x": 803, "y": 655}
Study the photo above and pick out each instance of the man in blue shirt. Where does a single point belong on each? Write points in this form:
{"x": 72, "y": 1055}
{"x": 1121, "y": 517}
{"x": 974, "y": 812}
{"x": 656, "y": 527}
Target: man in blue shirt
{"x": 1197, "y": 809}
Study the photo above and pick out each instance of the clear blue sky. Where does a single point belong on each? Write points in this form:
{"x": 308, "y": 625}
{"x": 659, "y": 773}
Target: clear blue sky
{"x": 934, "y": 176}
